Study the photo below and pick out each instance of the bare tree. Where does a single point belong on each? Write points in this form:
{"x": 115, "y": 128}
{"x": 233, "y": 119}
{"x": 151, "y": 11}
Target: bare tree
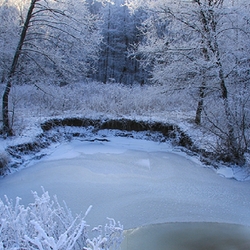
{"x": 56, "y": 37}
{"x": 6, "y": 124}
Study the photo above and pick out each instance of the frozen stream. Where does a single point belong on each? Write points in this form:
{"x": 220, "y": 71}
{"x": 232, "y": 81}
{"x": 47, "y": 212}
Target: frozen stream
{"x": 134, "y": 181}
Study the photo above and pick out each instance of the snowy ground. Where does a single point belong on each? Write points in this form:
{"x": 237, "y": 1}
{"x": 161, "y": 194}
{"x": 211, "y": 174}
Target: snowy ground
{"x": 135, "y": 181}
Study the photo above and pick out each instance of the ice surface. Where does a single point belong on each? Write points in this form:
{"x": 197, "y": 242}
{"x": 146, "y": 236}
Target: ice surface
{"x": 134, "y": 181}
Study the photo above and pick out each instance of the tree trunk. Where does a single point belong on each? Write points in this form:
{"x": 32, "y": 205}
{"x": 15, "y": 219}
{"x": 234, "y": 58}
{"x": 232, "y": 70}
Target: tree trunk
{"x": 233, "y": 146}
{"x": 7, "y": 130}
{"x": 200, "y": 103}
{"x": 202, "y": 88}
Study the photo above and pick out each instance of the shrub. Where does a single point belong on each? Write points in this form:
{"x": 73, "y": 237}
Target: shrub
{"x": 45, "y": 224}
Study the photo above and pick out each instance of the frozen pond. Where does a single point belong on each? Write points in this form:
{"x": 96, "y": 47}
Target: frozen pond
{"x": 134, "y": 181}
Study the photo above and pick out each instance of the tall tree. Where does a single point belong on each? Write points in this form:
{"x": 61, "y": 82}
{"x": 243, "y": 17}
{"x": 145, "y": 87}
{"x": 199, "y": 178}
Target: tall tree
{"x": 57, "y": 39}
{"x": 193, "y": 45}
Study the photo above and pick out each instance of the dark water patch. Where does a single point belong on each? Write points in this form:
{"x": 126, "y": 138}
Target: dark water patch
{"x": 188, "y": 236}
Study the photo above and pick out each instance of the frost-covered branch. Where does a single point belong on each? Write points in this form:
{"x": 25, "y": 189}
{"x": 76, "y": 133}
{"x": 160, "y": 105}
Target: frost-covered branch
{"x": 45, "y": 224}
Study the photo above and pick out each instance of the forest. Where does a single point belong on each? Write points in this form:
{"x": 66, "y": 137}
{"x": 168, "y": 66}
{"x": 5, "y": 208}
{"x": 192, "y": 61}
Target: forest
{"x": 192, "y": 53}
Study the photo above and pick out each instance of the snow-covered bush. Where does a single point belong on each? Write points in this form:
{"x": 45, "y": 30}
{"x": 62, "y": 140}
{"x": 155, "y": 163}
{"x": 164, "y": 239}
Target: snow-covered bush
{"x": 45, "y": 224}
{"x": 93, "y": 97}
{"x": 214, "y": 120}
{"x": 109, "y": 238}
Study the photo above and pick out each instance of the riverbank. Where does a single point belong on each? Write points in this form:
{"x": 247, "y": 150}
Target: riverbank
{"x": 20, "y": 150}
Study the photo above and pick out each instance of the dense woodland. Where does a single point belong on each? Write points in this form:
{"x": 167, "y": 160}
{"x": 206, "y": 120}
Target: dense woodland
{"x": 198, "y": 49}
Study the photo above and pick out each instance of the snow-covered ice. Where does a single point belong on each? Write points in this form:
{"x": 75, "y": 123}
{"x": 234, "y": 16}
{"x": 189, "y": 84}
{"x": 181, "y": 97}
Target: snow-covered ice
{"x": 135, "y": 181}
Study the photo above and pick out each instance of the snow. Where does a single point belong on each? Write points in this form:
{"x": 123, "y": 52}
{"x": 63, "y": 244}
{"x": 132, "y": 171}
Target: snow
{"x": 234, "y": 172}
{"x": 106, "y": 142}
{"x": 136, "y": 181}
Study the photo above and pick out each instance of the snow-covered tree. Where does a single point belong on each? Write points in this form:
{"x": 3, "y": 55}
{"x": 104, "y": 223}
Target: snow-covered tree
{"x": 10, "y": 23}
{"x": 119, "y": 30}
{"x": 199, "y": 46}
{"x": 55, "y": 39}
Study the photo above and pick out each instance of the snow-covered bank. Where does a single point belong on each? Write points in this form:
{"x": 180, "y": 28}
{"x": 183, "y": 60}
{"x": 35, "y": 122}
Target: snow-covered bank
{"x": 101, "y": 101}
{"x": 135, "y": 181}
{"x": 56, "y": 130}
{"x": 53, "y": 131}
